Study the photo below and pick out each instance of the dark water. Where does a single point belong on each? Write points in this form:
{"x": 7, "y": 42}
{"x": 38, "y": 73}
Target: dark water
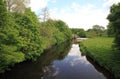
{"x": 60, "y": 62}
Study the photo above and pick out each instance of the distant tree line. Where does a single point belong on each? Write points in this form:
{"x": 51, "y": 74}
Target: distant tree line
{"x": 95, "y": 31}
{"x": 23, "y": 36}
{"x": 79, "y": 32}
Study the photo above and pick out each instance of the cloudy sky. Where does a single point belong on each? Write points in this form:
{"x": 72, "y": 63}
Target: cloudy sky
{"x": 76, "y": 13}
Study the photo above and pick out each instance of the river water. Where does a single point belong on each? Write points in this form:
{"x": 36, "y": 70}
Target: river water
{"x": 60, "y": 62}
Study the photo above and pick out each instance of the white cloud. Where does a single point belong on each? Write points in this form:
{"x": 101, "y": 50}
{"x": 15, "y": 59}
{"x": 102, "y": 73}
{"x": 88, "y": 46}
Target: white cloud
{"x": 53, "y": 1}
{"x": 75, "y": 15}
{"x": 53, "y": 11}
{"x": 78, "y": 16}
{"x": 108, "y": 3}
{"x": 38, "y": 4}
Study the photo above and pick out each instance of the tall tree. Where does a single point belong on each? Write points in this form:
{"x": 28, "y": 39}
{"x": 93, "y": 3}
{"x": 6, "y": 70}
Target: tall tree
{"x": 17, "y": 5}
{"x": 98, "y": 29}
{"x": 114, "y": 23}
{"x": 9, "y": 39}
{"x": 44, "y": 16}
{"x": 110, "y": 31}
{"x": 79, "y": 32}
{"x": 29, "y": 33}
{"x": 3, "y": 11}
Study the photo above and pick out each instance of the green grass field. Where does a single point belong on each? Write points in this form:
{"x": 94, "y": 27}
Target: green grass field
{"x": 100, "y": 50}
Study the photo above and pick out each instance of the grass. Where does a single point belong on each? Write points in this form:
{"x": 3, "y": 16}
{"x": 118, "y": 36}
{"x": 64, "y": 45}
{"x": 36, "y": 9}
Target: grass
{"x": 100, "y": 50}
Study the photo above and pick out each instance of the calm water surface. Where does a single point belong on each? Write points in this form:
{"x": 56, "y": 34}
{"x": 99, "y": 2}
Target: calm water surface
{"x": 60, "y": 62}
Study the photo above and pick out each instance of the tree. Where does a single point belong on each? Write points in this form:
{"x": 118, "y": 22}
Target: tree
{"x": 114, "y": 23}
{"x": 17, "y": 5}
{"x": 98, "y": 29}
{"x": 79, "y": 32}
{"x": 9, "y": 54}
{"x": 3, "y": 12}
{"x": 91, "y": 33}
{"x": 56, "y": 30}
{"x": 44, "y": 16}
{"x": 30, "y": 42}
{"x": 21, "y": 37}
{"x": 63, "y": 28}
{"x": 110, "y": 31}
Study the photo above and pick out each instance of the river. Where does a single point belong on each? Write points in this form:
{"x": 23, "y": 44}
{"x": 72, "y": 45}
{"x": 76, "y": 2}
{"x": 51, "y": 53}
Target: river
{"x": 60, "y": 62}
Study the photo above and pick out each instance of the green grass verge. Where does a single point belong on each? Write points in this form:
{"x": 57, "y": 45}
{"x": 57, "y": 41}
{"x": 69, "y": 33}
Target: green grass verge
{"x": 100, "y": 50}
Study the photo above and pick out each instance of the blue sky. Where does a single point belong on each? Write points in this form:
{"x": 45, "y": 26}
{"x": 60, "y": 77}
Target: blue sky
{"x": 65, "y": 3}
{"x": 76, "y": 13}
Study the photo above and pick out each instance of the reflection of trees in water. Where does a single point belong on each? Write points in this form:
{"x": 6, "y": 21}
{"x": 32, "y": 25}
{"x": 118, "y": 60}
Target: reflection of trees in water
{"x": 99, "y": 68}
{"x": 36, "y": 70}
{"x": 55, "y": 53}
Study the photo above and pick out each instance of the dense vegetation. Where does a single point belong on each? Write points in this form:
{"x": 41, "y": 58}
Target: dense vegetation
{"x": 23, "y": 37}
{"x": 100, "y": 50}
{"x": 79, "y": 32}
{"x": 114, "y": 24}
{"x": 96, "y": 31}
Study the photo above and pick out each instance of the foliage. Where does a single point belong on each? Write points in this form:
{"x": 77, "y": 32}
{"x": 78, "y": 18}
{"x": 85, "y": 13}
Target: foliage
{"x": 96, "y": 31}
{"x": 44, "y": 16}
{"x": 17, "y": 5}
{"x": 47, "y": 31}
{"x": 110, "y": 31}
{"x": 9, "y": 54}
{"x": 56, "y": 30}
{"x": 99, "y": 49}
{"x": 114, "y": 23}
{"x": 30, "y": 42}
{"x": 3, "y": 14}
{"x": 63, "y": 27}
{"x": 91, "y": 33}
{"x": 79, "y": 32}
{"x": 23, "y": 37}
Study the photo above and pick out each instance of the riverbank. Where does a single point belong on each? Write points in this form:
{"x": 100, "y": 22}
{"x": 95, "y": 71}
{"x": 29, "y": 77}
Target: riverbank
{"x": 37, "y": 69}
{"x": 64, "y": 61}
{"x": 99, "y": 49}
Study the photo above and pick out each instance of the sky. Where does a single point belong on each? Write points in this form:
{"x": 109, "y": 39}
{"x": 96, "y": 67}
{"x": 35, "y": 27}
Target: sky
{"x": 76, "y": 13}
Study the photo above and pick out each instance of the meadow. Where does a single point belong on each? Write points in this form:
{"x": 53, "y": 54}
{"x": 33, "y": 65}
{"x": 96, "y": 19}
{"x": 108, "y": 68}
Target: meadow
{"x": 101, "y": 51}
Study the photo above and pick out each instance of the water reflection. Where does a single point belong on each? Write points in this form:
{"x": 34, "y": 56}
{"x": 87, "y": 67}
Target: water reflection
{"x": 59, "y": 62}
{"x": 40, "y": 68}
{"x": 74, "y": 66}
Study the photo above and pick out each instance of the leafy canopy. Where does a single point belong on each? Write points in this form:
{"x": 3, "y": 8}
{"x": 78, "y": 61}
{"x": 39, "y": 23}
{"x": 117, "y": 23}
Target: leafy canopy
{"x": 114, "y": 23}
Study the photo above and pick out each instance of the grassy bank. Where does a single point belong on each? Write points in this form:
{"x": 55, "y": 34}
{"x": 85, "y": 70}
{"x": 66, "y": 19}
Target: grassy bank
{"x": 100, "y": 50}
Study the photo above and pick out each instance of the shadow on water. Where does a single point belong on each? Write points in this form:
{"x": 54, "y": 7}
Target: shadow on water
{"x": 36, "y": 70}
{"x": 59, "y": 62}
{"x": 102, "y": 70}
